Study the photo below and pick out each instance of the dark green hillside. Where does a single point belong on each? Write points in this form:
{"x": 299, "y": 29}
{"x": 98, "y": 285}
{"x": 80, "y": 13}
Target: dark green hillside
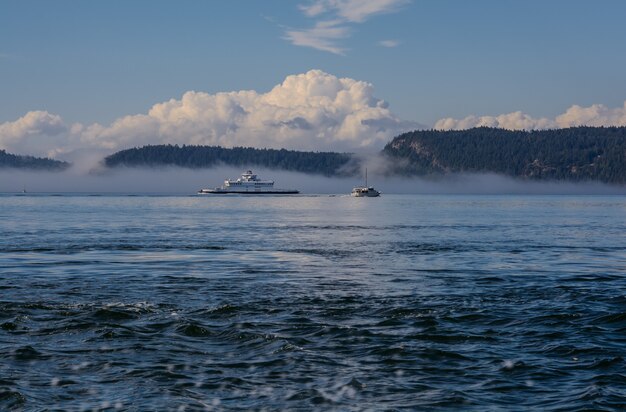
{"x": 575, "y": 154}
{"x": 326, "y": 163}
{"x": 8, "y": 160}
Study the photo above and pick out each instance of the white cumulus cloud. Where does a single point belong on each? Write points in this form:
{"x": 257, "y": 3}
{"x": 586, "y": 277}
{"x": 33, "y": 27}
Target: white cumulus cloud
{"x": 594, "y": 115}
{"x": 309, "y": 111}
{"x": 36, "y": 128}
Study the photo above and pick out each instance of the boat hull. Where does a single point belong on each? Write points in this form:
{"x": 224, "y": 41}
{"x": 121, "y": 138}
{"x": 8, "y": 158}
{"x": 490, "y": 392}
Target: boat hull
{"x": 366, "y": 194}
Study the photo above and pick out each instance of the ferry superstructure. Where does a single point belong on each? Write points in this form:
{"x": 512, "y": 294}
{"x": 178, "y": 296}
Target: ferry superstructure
{"x": 248, "y": 184}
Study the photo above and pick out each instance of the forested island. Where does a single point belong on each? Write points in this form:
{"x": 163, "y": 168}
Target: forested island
{"x": 8, "y": 160}
{"x": 325, "y": 163}
{"x": 574, "y": 154}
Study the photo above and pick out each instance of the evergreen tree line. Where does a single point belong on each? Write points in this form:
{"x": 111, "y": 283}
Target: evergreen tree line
{"x": 326, "y": 163}
{"x": 8, "y": 160}
{"x": 577, "y": 154}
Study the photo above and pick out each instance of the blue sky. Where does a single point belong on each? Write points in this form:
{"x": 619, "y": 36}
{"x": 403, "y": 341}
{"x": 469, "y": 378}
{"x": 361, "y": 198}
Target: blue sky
{"x": 94, "y": 62}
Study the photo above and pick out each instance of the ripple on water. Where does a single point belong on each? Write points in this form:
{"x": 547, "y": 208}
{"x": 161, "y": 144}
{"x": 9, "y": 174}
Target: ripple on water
{"x": 423, "y": 303}
{"x": 11, "y": 400}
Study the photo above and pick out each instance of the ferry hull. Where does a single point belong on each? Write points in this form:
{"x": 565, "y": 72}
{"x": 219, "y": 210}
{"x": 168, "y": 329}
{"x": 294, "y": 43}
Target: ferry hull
{"x": 246, "y": 192}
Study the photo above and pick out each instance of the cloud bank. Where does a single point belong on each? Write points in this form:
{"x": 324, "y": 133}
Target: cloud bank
{"x": 594, "y": 115}
{"x": 335, "y": 20}
{"x": 309, "y": 111}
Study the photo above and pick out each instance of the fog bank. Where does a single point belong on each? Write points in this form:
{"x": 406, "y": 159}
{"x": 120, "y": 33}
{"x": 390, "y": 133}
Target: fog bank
{"x": 172, "y": 180}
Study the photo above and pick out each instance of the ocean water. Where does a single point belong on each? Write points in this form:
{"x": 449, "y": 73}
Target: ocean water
{"x": 404, "y": 302}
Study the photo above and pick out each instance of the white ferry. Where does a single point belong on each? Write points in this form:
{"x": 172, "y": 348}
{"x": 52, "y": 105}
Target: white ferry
{"x": 365, "y": 191}
{"x": 248, "y": 184}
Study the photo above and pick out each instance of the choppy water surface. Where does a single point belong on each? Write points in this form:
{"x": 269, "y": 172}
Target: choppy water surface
{"x": 401, "y": 302}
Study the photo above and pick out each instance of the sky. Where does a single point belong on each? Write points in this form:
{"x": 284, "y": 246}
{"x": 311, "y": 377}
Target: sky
{"x": 313, "y": 74}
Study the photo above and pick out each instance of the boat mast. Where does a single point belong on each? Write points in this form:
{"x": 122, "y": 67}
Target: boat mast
{"x": 366, "y": 177}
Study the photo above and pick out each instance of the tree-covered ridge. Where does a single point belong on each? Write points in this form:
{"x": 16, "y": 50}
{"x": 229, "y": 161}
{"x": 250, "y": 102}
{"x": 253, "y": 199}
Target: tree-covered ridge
{"x": 8, "y": 160}
{"x": 326, "y": 163}
{"x": 577, "y": 154}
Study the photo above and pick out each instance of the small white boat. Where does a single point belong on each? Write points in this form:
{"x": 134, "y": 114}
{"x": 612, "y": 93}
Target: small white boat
{"x": 248, "y": 184}
{"x": 365, "y": 191}
{"x": 361, "y": 191}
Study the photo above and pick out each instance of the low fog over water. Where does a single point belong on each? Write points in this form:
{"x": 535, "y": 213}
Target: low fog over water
{"x": 171, "y": 180}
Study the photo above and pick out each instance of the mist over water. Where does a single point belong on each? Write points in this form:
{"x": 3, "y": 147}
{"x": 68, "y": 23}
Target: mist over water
{"x": 173, "y": 180}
